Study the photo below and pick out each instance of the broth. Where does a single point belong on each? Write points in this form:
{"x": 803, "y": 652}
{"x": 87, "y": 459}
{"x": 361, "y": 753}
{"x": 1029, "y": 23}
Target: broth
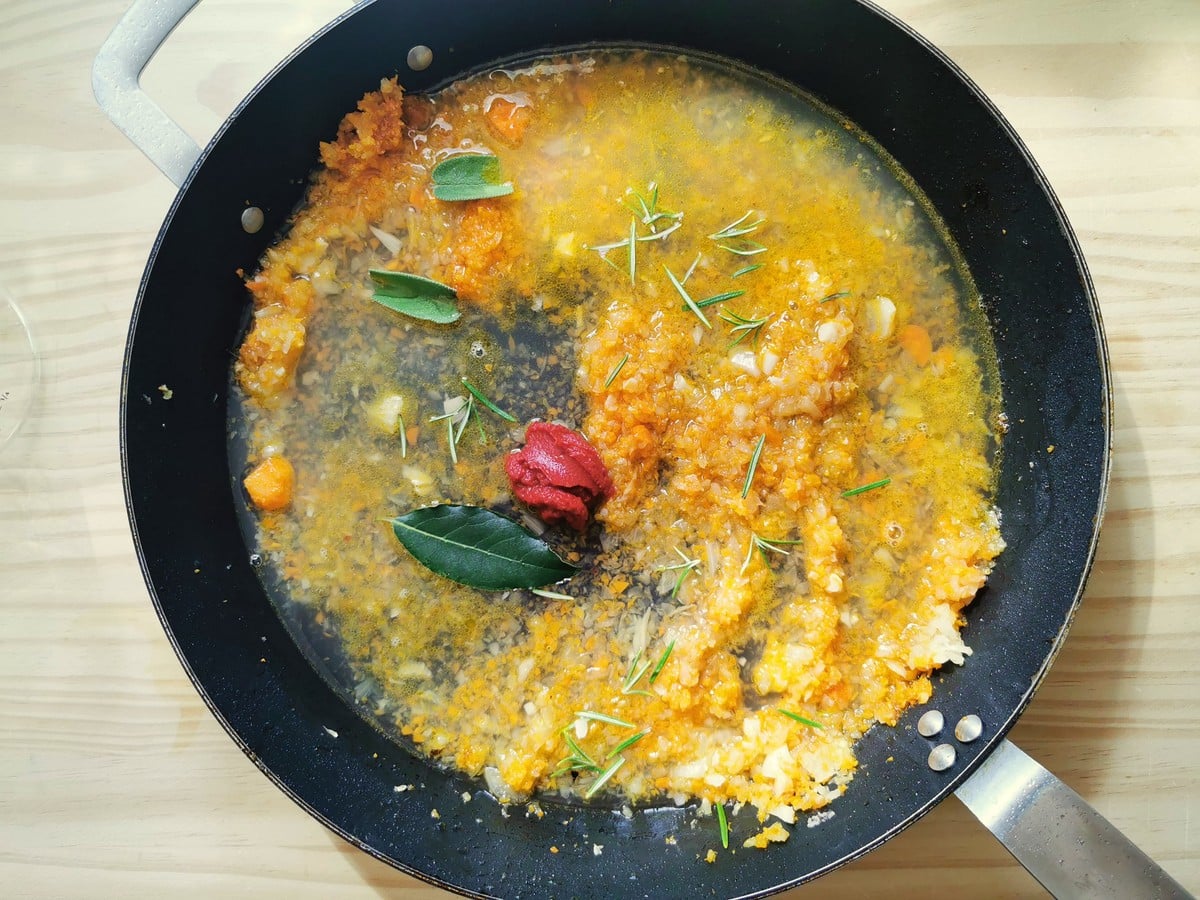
{"x": 803, "y": 470}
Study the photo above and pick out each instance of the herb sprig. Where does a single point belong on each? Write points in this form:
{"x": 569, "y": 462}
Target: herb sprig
{"x": 731, "y": 237}
{"x": 763, "y": 546}
{"x": 744, "y": 327}
{"x": 685, "y": 568}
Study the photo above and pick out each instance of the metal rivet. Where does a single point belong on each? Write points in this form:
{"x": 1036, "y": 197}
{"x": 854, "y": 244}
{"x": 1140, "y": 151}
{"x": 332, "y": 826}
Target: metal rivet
{"x": 420, "y": 57}
{"x": 941, "y": 757}
{"x": 968, "y": 728}
{"x": 931, "y": 723}
{"x": 252, "y": 219}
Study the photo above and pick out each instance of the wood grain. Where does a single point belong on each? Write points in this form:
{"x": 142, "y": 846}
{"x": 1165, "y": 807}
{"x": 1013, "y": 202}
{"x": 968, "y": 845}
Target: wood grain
{"x": 115, "y": 780}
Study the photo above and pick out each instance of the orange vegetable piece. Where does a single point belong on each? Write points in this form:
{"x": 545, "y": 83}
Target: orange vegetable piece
{"x": 916, "y": 343}
{"x": 271, "y": 483}
{"x": 508, "y": 121}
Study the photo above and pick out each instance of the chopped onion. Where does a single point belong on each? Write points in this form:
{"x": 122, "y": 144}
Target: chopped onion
{"x": 389, "y": 241}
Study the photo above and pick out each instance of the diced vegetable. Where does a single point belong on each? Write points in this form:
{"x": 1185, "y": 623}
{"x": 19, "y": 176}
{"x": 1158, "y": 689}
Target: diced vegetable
{"x": 271, "y": 483}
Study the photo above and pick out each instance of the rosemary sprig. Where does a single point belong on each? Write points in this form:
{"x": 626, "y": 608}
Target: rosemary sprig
{"x": 685, "y": 568}
{"x": 746, "y": 327}
{"x": 762, "y": 545}
{"x": 462, "y": 415}
{"x": 862, "y": 489}
{"x": 624, "y": 242}
{"x": 723, "y": 823}
{"x": 650, "y": 212}
{"x": 603, "y": 777}
{"x": 731, "y": 237}
{"x": 799, "y": 718}
{"x": 746, "y": 270}
{"x": 625, "y": 744}
{"x": 616, "y": 370}
{"x": 737, "y": 229}
{"x": 578, "y": 761}
{"x": 662, "y": 661}
{"x": 753, "y": 467}
{"x": 691, "y": 304}
{"x": 835, "y": 296}
{"x": 403, "y": 437}
{"x": 478, "y": 395}
{"x": 634, "y": 675}
{"x": 601, "y": 717}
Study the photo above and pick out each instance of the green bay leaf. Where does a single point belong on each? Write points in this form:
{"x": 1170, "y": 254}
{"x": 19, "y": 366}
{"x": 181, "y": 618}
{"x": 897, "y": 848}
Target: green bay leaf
{"x": 469, "y": 176}
{"x": 479, "y": 548}
{"x": 415, "y": 296}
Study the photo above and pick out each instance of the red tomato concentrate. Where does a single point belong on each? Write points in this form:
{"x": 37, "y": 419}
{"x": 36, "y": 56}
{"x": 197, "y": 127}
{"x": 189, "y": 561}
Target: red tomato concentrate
{"x": 558, "y": 474}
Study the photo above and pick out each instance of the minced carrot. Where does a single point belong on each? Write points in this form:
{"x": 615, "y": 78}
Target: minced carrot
{"x": 508, "y": 121}
{"x": 916, "y": 342}
{"x": 270, "y": 484}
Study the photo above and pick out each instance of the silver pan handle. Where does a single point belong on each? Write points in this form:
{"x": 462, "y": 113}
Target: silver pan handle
{"x": 1064, "y": 843}
{"x": 115, "y": 81}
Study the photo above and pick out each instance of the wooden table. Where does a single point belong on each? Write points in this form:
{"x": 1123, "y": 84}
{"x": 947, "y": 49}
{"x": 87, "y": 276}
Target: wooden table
{"x": 115, "y": 780}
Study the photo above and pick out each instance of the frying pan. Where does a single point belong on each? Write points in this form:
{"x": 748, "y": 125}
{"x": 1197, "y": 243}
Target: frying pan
{"x": 264, "y": 687}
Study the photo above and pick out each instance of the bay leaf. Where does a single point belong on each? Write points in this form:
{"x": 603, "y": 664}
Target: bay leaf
{"x": 479, "y": 548}
{"x": 416, "y": 296}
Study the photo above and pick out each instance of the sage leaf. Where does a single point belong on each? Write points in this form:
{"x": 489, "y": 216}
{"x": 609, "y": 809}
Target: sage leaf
{"x": 479, "y": 548}
{"x": 415, "y": 296}
{"x": 469, "y": 176}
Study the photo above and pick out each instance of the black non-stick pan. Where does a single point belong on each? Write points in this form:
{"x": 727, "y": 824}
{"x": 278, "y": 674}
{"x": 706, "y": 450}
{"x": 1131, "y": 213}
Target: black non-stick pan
{"x": 264, "y": 690}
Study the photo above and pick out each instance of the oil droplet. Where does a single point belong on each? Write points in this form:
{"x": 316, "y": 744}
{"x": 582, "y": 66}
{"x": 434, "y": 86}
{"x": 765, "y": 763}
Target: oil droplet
{"x": 968, "y": 728}
{"x": 931, "y": 723}
{"x": 252, "y": 219}
{"x": 941, "y": 757}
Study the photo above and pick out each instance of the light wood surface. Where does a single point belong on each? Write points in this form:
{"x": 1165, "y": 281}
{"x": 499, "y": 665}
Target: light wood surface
{"x": 114, "y": 779}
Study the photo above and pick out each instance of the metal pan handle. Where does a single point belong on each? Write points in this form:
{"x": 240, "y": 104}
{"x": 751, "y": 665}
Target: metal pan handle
{"x": 1064, "y": 843}
{"x": 115, "y": 82}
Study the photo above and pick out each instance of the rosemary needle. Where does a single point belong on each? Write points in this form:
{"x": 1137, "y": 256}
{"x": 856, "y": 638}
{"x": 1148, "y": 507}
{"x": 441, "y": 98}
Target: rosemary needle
{"x": 746, "y": 270}
{"x": 862, "y": 489}
{"x": 691, "y": 304}
{"x": 625, "y": 744}
{"x": 799, "y": 718}
{"x": 550, "y": 595}
{"x": 633, "y": 250}
{"x": 724, "y": 825}
{"x": 601, "y": 717}
{"x": 478, "y": 395}
{"x": 836, "y": 296}
{"x": 662, "y": 661}
{"x": 602, "y": 778}
{"x": 616, "y": 370}
{"x": 758, "y": 448}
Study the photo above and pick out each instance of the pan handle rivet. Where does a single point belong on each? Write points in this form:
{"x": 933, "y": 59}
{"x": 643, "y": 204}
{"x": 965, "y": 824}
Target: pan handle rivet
{"x": 252, "y": 219}
{"x": 420, "y": 58}
{"x": 968, "y": 728}
{"x": 941, "y": 757}
{"x": 930, "y": 724}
